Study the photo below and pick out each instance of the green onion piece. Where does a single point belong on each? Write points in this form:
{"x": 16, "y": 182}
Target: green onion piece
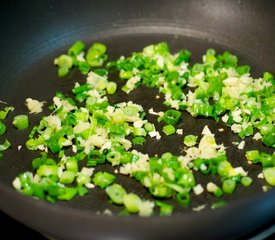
{"x": 268, "y": 76}
{"x": 224, "y": 168}
{"x": 183, "y": 56}
{"x": 67, "y": 177}
{"x": 161, "y": 191}
{"x": 171, "y": 117}
{"x": 114, "y": 157}
{"x": 4, "y": 113}
{"x": 64, "y": 61}
{"x": 83, "y": 179}
{"x": 62, "y": 72}
{"x": 229, "y": 59}
{"x": 246, "y": 181}
{"x": 149, "y": 127}
{"x": 111, "y": 87}
{"x": 96, "y": 55}
{"x": 228, "y": 186}
{"x": 218, "y": 204}
{"x": 37, "y": 162}
{"x": 126, "y": 157}
{"x": 82, "y": 191}
{"x": 165, "y": 209}
{"x": 82, "y": 88}
{"x": 187, "y": 179}
{"x": 269, "y": 175}
{"x": 66, "y": 193}
{"x": 253, "y": 156}
{"x": 138, "y": 140}
{"x": 169, "y": 130}
{"x": 47, "y": 170}
{"x": 269, "y": 139}
{"x": 167, "y": 156}
{"x": 5, "y": 145}
{"x": 241, "y": 70}
{"x": 53, "y": 144}
{"x": 76, "y": 48}
{"x": 124, "y": 213}
{"x": 267, "y": 160}
{"x": 183, "y": 198}
{"x": 190, "y": 140}
{"x": 84, "y": 67}
{"x": 218, "y": 192}
{"x": 130, "y": 110}
{"x": 3, "y": 128}
{"x": 103, "y": 179}
{"x": 139, "y": 131}
{"x": 32, "y": 144}
{"x": 132, "y": 202}
{"x": 116, "y": 193}
{"x": 21, "y": 122}
{"x": 71, "y": 165}
{"x": 94, "y": 158}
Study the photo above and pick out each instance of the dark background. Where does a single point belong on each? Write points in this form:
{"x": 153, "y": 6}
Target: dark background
{"x": 18, "y": 229}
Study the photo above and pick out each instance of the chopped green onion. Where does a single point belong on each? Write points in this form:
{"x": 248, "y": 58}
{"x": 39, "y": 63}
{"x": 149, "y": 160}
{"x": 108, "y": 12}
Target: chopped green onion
{"x": 165, "y": 209}
{"x": 4, "y": 146}
{"x": 229, "y": 186}
{"x": 246, "y": 181}
{"x": 95, "y": 130}
{"x": 149, "y": 127}
{"x": 66, "y": 193}
{"x": 111, "y": 87}
{"x": 190, "y": 140}
{"x": 71, "y": 165}
{"x": 183, "y": 198}
{"x": 76, "y": 48}
{"x": 114, "y": 157}
{"x": 269, "y": 175}
{"x": 3, "y": 128}
{"x": 4, "y": 113}
{"x": 218, "y": 192}
{"x": 169, "y": 130}
{"x": 21, "y": 122}
{"x": 132, "y": 202}
{"x": 82, "y": 191}
{"x": 67, "y": 177}
{"x": 253, "y": 155}
{"x": 116, "y": 193}
{"x": 224, "y": 168}
{"x": 138, "y": 140}
{"x": 103, "y": 179}
{"x": 64, "y": 62}
{"x": 96, "y": 55}
{"x": 218, "y": 204}
{"x": 171, "y": 117}
{"x": 241, "y": 70}
{"x": 47, "y": 170}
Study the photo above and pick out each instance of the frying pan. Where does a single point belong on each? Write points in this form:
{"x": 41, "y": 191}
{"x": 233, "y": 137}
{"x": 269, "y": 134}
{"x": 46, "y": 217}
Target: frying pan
{"x": 33, "y": 33}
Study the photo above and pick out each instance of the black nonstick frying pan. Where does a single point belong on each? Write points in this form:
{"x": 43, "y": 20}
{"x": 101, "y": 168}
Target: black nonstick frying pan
{"x": 33, "y": 33}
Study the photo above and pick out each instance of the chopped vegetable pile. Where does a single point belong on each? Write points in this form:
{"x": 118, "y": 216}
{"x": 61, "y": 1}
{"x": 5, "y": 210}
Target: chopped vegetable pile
{"x": 86, "y": 130}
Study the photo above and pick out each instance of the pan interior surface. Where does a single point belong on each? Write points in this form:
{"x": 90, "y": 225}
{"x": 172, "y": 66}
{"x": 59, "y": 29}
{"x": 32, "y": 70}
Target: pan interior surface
{"x": 38, "y": 80}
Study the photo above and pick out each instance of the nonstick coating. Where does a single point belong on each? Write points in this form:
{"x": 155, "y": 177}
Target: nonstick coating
{"x": 35, "y": 33}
